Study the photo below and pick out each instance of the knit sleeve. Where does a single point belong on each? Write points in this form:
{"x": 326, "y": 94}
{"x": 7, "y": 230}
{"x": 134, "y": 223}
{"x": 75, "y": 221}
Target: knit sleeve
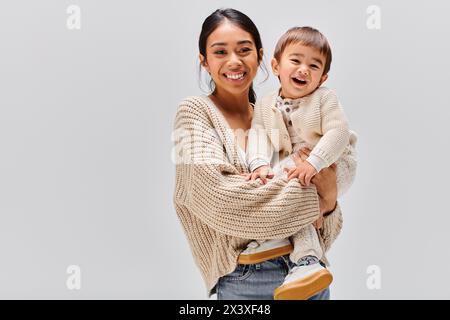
{"x": 210, "y": 187}
{"x": 331, "y": 228}
{"x": 346, "y": 166}
{"x": 259, "y": 148}
{"x": 334, "y": 129}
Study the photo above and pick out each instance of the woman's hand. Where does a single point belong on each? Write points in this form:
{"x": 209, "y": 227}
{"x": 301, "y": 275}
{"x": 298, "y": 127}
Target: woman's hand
{"x": 325, "y": 182}
{"x": 318, "y": 223}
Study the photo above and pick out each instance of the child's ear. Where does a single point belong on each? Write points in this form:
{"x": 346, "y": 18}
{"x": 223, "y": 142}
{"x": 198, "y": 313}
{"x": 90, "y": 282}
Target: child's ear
{"x": 323, "y": 79}
{"x": 203, "y": 62}
{"x": 275, "y": 67}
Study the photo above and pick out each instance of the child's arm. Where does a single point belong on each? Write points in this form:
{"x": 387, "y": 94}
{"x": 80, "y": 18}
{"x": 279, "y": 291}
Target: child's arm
{"x": 346, "y": 165}
{"x": 335, "y": 132}
{"x": 258, "y": 150}
{"x": 334, "y": 139}
{"x": 259, "y": 147}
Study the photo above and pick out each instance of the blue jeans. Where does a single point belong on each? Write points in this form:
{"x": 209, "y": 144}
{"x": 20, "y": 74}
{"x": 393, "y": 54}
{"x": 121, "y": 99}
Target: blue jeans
{"x": 258, "y": 281}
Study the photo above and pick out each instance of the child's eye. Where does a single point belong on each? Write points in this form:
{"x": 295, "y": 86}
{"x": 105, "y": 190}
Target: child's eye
{"x": 220, "y": 52}
{"x": 314, "y": 66}
{"x": 295, "y": 61}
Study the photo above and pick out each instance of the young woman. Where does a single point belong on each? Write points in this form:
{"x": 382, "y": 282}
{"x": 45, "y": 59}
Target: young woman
{"x": 219, "y": 209}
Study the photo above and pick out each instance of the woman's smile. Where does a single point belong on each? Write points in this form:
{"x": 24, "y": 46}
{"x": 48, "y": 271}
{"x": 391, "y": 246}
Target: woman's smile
{"x": 235, "y": 77}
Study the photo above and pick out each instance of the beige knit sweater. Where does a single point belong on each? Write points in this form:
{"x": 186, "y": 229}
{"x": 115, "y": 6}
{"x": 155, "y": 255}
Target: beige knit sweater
{"x": 220, "y": 211}
{"x": 319, "y": 121}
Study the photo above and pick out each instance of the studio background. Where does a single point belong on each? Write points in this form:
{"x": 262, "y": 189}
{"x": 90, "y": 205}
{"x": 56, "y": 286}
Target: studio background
{"x": 86, "y": 115}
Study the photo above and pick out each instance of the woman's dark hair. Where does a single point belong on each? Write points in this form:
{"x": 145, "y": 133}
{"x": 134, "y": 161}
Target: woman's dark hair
{"x": 239, "y": 19}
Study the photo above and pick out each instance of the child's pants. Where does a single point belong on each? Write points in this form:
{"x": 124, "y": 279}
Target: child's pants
{"x": 306, "y": 241}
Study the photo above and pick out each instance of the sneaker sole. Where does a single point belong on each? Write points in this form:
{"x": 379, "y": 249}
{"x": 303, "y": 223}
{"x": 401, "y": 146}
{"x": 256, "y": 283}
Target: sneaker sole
{"x": 265, "y": 255}
{"x": 305, "y": 288}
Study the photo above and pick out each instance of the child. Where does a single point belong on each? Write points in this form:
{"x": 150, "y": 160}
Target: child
{"x": 304, "y": 115}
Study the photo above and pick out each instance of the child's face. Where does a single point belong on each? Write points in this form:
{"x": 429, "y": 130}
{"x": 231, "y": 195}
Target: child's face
{"x": 300, "y": 70}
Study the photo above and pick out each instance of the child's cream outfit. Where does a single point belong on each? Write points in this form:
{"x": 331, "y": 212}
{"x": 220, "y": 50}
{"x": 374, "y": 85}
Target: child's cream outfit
{"x": 316, "y": 121}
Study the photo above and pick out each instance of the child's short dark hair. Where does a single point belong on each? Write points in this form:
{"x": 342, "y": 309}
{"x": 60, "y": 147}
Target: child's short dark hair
{"x": 309, "y": 37}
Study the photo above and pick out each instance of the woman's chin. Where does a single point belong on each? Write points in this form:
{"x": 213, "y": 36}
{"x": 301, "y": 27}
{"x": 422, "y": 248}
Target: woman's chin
{"x": 238, "y": 90}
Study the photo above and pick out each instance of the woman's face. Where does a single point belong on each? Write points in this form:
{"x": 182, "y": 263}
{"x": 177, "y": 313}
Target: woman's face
{"x": 231, "y": 59}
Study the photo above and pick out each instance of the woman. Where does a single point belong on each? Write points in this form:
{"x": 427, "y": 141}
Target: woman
{"x": 220, "y": 211}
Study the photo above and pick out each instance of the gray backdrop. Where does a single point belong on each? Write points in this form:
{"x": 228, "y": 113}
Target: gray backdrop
{"x": 86, "y": 176}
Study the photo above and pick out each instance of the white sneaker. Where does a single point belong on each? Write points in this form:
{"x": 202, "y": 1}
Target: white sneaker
{"x": 257, "y": 252}
{"x": 303, "y": 282}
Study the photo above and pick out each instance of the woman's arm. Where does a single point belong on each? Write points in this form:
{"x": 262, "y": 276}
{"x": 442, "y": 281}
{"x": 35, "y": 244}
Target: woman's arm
{"x": 331, "y": 228}
{"x": 331, "y": 224}
{"x": 212, "y": 189}
{"x": 325, "y": 182}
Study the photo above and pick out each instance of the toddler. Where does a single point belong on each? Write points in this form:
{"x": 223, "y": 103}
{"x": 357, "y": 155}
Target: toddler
{"x": 301, "y": 114}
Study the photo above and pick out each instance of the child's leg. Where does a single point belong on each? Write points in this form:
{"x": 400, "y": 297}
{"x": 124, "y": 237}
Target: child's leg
{"x": 308, "y": 277}
{"x": 287, "y": 162}
{"x": 306, "y": 243}
{"x": 261, "y": 250}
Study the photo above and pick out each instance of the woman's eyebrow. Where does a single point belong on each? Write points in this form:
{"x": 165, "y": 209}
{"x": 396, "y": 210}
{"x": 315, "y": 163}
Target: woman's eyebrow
{"x": 224, "y": 43}
{"x": 219, "y": 44}
{"x": 244, "y": 42}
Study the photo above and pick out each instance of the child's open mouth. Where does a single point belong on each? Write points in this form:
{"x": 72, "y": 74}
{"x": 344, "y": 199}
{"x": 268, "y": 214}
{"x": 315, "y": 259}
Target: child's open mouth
{"x": 299, "y": 81}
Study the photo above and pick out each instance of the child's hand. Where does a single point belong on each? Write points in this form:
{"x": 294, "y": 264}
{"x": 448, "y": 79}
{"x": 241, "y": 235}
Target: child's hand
{"x": 304, "y": 171}
{"x": 264, "y": 172}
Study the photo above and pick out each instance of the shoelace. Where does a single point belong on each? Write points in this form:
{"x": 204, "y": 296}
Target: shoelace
{"x": 306, "y": 261}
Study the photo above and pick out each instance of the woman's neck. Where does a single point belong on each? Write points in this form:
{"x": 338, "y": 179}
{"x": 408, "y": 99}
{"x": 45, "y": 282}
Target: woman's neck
{"x": 231, "y": 103}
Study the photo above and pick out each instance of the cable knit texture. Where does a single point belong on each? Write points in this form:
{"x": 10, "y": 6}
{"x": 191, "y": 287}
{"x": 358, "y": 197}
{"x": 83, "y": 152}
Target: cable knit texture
{"x": 318, "y": 119}
{"x": 220, "y": 211}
